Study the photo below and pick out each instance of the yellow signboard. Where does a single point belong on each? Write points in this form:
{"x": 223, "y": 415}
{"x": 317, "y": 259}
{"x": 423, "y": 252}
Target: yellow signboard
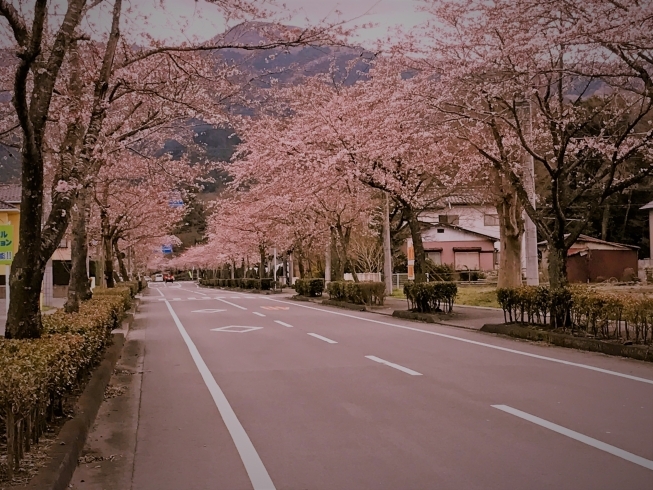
{"x": 6, "y": 244}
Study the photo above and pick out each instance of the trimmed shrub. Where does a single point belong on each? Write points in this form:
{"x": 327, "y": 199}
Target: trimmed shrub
{"x": 581, "y": 308}
{"x": 360, "y": 293}
{"x": 426, "y": 297}
{"x": 309, "y": 287}
{"x": 37, "y": 374}
{"x": 123, "y": 292}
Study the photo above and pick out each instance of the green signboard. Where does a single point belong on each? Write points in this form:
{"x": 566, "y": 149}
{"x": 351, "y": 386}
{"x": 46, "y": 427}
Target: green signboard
{"x": 6, "y": 244}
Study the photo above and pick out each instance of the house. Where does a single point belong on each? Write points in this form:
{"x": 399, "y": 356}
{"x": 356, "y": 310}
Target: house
{"x": 445, "y": 243}
{"x": 471, "y": 212}
{"x": 592, "y": 260}
{"x": 9, "y": 215}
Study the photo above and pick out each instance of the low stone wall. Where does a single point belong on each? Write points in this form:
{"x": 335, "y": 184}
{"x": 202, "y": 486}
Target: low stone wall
{"x": 640, "y": 352}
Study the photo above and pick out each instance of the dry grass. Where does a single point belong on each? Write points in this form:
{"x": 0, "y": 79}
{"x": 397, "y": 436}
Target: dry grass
{"x": 477, "y": 296}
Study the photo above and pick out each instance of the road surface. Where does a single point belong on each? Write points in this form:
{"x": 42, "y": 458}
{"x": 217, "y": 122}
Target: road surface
{"x": 243, "y": 391}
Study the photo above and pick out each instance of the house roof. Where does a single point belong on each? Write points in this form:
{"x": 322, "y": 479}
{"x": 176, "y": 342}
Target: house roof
{"x": 647, "y": 206}
{"x": 7, "y": 206}
{"x": 460, "y": 228}
{"x": 10, "y": 193}
{"x": 589, "y": 239}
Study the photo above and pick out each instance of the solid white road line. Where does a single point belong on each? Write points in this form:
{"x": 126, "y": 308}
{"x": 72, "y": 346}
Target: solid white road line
{"x": 475, "y": 342}
{"x": 177, "y": 299}
{"x": 282, "y": 323}
{"x": 232, "y": 304}
{"x": 160, "y": 292}
{"x": 322, "y": 338}
{"x": 259, "y": 314}
{"x": 633, "y": 458}
{"x": 393, "y": 365}
{"x": 255, "y": 468}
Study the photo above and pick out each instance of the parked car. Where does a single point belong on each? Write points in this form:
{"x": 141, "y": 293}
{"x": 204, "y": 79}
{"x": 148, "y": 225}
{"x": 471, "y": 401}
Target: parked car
{"x": 168, "y": 277}
{"x": 158, "y": 277}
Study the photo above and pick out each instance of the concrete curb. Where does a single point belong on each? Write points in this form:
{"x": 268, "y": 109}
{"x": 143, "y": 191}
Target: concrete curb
{"x": 638, "y": 352}
{"x": 65, "y": 451}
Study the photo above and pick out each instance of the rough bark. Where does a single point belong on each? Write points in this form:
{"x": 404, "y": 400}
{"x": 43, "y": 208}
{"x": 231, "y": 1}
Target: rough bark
{"x": 511, "y": 229}
{"x": 557, "y": 265}
{"x": 121, "y": 262}
{"x": 79, "y": 288}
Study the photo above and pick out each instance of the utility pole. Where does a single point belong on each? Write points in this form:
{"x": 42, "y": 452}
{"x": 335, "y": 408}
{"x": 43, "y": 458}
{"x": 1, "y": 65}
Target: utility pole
{"x": 387, "y": 247}
{"x": 327, "y": 263}
{"x": 529, "y": 240}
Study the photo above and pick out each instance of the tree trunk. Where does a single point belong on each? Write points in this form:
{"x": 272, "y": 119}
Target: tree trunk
{"x": 511, "y": 227}
{"x": 121, "y": 263}
{"x": 605, "y": 221}
{"x": 108, "y": 262}
{"x": 337, "y": 262}
{"x": 418, "y": 244}
{"x": 27, "y": 268}
{"x": 557, "y": 264}
{"x": 79, "y": 288}
{"x": 261, "y": 269}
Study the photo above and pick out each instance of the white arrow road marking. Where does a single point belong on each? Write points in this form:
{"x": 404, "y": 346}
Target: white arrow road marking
{"x": 633, "y": 458}
{"x": 322, "y": 338}
{"x": 208, "y": 311}
{"x": 393, "y": 365}
{"x": 255, "y": 468}
{"x": 282, "y": 323}
{"x": 236, "y": 329}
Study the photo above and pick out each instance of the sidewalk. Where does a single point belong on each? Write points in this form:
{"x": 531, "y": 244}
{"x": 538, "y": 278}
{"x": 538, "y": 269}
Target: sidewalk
{"x": 462, "y": 316}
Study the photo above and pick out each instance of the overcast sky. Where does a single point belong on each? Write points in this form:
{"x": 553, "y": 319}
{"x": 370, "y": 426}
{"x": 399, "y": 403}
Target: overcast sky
{"x": 175, "y": 20}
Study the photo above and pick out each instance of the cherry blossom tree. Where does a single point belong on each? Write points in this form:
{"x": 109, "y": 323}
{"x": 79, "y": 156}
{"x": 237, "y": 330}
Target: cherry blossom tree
{"x": 566, "y": 83}
{"x": 41, "y": 49}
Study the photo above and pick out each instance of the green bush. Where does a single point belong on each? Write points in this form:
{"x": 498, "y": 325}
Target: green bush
{"x": 37, "y": 374}
{"x": 426, "y": 297}
{"x": 123, "y": 292}
{"x": 368, "y": 293}
{"x": 309, "y": 287}
{"x": 600, "y": 314}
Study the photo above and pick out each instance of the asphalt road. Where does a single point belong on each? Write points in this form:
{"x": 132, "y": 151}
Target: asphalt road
{"x": 245, "y": 391}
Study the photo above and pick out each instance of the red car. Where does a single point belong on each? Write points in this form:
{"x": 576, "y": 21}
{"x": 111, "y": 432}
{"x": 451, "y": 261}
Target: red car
{"x": 167, "y": 277}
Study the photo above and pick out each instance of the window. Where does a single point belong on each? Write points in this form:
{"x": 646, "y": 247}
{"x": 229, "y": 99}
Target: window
{"x": 491, "y": 220}
{"x": 449, "y": 219}
{"x": 467, "y": 261}
{"x": 436, "y": 257}
{"x": 440, "y": 230}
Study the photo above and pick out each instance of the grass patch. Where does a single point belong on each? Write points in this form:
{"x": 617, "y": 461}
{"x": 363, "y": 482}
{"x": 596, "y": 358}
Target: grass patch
{"x": 398, "y": 293}
{"x": 477, "y": 296}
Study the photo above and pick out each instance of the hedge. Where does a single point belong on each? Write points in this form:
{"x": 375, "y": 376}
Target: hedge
{"x": 263, "y": 284}
{"x": 427, "y": 297}
{"x": 309, "y": 287}
{"x": 581, "y": 308}
{"x": 38, "y": 374}
{"x": 360, "y": 293}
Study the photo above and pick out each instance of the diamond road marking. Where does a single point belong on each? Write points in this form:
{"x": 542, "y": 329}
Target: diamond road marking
{"x": 208, "y": 311}
{"x": 235, "y": 329}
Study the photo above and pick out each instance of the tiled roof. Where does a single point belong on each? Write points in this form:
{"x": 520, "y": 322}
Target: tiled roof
{"x": 6, "y": 205}
{"x": 10, "y": 193}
